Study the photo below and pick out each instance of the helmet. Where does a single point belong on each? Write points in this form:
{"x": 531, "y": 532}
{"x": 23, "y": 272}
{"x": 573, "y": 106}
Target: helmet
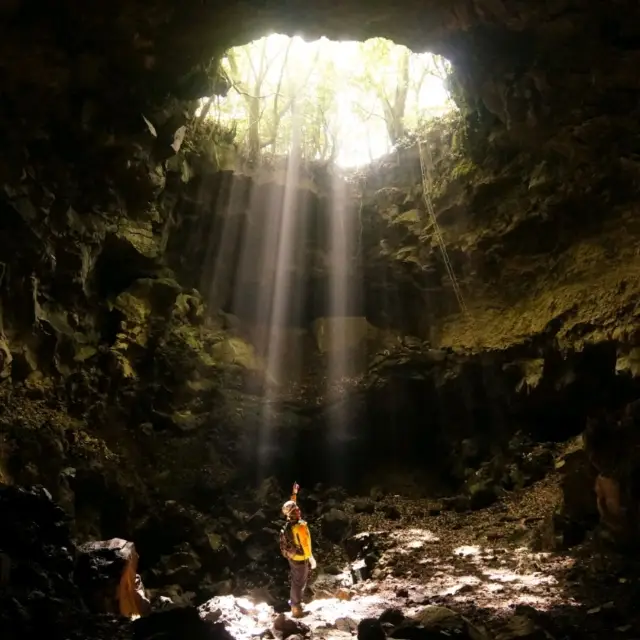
{"x": 288, "y": 508}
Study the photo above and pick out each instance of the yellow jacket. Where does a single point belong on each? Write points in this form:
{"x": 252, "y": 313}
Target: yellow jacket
{"x": 301, "y": 537}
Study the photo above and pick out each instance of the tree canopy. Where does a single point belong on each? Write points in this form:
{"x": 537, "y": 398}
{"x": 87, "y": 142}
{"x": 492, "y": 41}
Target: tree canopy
{"x": 342, "y": 102}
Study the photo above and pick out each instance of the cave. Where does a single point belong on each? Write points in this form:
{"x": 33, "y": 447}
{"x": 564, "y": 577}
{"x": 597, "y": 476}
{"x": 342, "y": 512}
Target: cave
{"x": 440, "y": 344}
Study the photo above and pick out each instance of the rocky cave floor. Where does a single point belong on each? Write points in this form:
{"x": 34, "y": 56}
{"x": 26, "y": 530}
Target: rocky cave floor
{"x": 479, "y": 565}
{"x": 416, "y": 570}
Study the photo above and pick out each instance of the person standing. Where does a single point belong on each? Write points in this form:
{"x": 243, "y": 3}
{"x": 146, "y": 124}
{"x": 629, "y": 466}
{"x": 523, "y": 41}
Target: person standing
{"x": 295, "y": 546}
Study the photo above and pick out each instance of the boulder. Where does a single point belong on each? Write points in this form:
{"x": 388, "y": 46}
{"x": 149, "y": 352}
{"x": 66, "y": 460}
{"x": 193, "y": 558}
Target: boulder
{"x": 106, "y": 572}
{"x": 482, "y": 494}
{"x": 289, "y": 627}
{"x": 390, "y": 511}
{"x": 578, "y": 477}
{"x": 392, "y": 616}
{"x": 261, "y": 544}
{"x": 609, "y": 501}
{"x": 270, "y": 493}
{"x": 434, "y": 623}
{"x": 335, "y": 525}
{"x": 360, "y": 545}
{"x": 364, "y": 505}
{"x": 179, "y": 623}
{"x": 181, "y": 567}
{"x": 348, "y": 625}
{"x": 38, "y": 591}
{"x": 371, "y": 629}
{"x": 522, "y": 628}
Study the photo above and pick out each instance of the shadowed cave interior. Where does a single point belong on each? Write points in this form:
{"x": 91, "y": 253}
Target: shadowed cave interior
{"x": 440, "y": 345}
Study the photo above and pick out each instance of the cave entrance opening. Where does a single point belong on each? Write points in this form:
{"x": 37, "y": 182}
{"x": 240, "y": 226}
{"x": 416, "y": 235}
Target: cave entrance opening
{"x": 347, "y": 103}
{"x": 311, "y": 114}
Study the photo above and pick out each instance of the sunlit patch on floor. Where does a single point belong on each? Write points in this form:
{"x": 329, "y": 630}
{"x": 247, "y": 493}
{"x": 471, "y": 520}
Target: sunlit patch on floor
{"x": 496, "y": 578}
{"x": 243, "y": 617}
{"x": 411, "y": 536}
{"x": 466, "y": 551}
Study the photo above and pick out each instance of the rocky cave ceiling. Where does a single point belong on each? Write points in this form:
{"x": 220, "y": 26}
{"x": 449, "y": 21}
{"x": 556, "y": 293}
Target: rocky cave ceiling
{"x": 142, "y": 51}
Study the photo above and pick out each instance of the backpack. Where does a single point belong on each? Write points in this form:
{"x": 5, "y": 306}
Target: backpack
{"x": 288, "y": 546}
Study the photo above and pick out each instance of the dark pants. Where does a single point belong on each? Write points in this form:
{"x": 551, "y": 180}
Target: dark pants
{"x": 299, "y": 577}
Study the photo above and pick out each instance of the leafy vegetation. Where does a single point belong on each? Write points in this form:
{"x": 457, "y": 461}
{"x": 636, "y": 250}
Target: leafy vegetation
{"x": 344, "y": 103}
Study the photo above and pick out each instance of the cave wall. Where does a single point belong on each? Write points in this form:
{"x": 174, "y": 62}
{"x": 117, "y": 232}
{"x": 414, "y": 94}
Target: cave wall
{"x": 111, "y": 371}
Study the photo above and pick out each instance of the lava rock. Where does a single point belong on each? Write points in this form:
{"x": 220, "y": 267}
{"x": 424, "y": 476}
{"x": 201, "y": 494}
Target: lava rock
{"x": 182, "y": 567}
{"x": 261, "y": 544}
{"x": 522, "y": 628}
{"x": 578, "y": 479}
{"x": 359, "y": 545}
{"x": 106, "y": 572}
{"x": 371, "y": 629}
{"x": 332, "y": 570}
{"x": 176, "y": 624}
{"x": 392, "y": 616}
{"x": 289, "y": 627}
{"x": 335, "y": 525}
{"x": 363, "y": 505}
{"x": 390, "y": 511}
{"x": 258, "y": 520}
{"x": 269, "y": 492}
{"x": 39, "y": 590}
{"x": 434, "y": 623}
{"x": 347, "y": 625}
{"x": 482, "y": 495}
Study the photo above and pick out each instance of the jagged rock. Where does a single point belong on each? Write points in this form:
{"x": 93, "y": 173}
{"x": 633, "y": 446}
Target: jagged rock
{"x": 257, "y": 520}
{"x": 578, "y": 486}
{"x": 558, "y": 532}
{"x": 289, "y": 627}
{"x": 434, "y": 622}
{"x": 362, "y": 505}
{"x": 390, "y": 511}
{"x": 38, "y": 590}
{"x": 175, "y": 624}
{"x": 182, "y": 567}
{"x": 611, "y": 443}
{"x": 335, "y": 525}
{"x": 170, "y": 597}
{"x": 270, "y": 493}
{"x": 261, "y": 544}
{"x": 6, "y": 358}
{"x": 521, "y": 627}
{"x": 347, "y": 625}
{"x": 610, "y": 506}
{"x": 482, "y": 494}
{"x": 106, "y": 572}
{"x": 359, "y": 545}
{"x": 370, "y": 629}
{"x": 392, "y": 616}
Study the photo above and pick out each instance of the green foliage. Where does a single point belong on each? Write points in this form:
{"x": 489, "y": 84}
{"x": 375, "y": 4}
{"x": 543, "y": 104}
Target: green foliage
{"x": 206, "y": 136}
{"x": 462, "y": 169}
{"x": 324, "y": 101}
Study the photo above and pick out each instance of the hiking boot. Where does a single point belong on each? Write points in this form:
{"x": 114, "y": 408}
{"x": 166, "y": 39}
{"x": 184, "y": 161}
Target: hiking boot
{"x": 296, "y": 611}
